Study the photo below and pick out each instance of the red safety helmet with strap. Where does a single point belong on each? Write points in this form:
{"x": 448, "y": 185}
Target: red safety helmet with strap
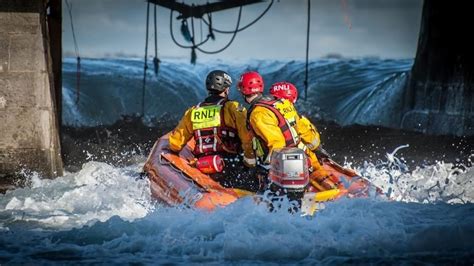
{"x": 285, "y": 90}
{"x": 250, "y": 83}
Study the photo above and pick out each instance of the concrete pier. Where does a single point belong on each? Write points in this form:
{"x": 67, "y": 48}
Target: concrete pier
{"x": 29, "y": 128}
{"x": 440, "y": 94}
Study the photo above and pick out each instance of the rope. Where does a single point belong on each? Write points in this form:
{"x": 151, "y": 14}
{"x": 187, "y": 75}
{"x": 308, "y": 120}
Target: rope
{"x": 145, "y": 67}
{"x": 307, "y": 52}
{"x": 156, "y": 38}
{"x": 185, "y": 30}
{"x": 194, "y": 46}
{"x": 76, "y": 49}
{"x": 211, "y": 33}
{"x": 193, "y": 40}
{"x": 345, "y": 11}
{"x": 241, "y": 29}
{"x": 174, "y": 39}
{"x": 200, "y": 28}
{"x": 156, "y": 60}
{"x": 69, "y": 7}
{"x": 78, "y": 78}
{"x": 231, "y": 40}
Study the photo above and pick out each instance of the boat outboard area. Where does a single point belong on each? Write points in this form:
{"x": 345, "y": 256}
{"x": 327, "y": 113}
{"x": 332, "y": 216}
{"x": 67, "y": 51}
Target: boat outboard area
{"x": 174, "y": 180}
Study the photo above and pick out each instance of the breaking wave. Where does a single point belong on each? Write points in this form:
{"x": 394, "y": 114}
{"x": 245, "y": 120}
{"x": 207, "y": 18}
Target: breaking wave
{"x": 357, "y": 91}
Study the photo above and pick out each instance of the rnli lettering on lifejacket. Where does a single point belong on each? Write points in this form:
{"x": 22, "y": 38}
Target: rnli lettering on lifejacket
{"x": 289, "y": 113}
{"x": 286, "y": 109}
{"x": 206, "y": 116}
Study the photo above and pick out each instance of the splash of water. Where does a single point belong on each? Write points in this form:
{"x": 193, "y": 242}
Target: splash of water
{"x": 104, "y": 214}
{"x": 96, "y": 193}
{"x": 99, "y": 191}
{"x": 441, "y": 182}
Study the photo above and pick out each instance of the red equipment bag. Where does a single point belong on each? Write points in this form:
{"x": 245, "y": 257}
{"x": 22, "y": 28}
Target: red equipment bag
{"x": 210, "y": 164}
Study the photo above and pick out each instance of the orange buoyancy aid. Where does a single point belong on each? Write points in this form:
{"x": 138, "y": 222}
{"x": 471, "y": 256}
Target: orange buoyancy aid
{"x": 287, "y": 124}
{"x": 210, "y": 132}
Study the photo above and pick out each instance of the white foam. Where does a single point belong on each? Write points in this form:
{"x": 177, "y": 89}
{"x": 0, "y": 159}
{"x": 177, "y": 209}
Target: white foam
{"x": 100, "y": 191}
{"x": 441, "y": 182}
{"x": 102, "y": 214}
{"x": 96, "y": 193}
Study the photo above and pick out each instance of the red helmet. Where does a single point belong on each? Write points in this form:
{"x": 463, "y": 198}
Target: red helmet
{"x": 284, "y": 90}
{"x": 250, "y": 83}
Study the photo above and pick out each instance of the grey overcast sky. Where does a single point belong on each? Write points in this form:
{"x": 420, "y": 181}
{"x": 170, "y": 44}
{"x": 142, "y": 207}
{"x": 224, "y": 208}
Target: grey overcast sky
{"x": 352, "y": 28}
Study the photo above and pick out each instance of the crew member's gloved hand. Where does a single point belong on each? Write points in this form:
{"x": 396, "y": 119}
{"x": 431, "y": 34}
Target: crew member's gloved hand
{"x": 249, "y": 162}
{"x": 261, "y": 172}
{"x": 322, "y": 153}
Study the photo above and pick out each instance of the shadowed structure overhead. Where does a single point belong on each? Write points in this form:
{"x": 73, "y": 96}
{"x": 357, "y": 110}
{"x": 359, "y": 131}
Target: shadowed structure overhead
{"x": 197, "y": 11}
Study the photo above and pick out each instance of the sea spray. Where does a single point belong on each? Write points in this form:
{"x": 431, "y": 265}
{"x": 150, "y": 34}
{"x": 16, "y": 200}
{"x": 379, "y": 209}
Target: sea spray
{"x": 104, "y": 214}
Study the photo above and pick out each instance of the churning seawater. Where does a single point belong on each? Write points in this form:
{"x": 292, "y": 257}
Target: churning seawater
{"x": 104, "y": 214}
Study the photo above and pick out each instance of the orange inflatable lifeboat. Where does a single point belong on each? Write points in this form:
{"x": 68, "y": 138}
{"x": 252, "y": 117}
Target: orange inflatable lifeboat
{"x": 174, "y": 181}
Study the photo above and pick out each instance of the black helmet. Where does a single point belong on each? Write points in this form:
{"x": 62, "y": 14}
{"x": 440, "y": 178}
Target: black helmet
{"x": 217, "y": 81}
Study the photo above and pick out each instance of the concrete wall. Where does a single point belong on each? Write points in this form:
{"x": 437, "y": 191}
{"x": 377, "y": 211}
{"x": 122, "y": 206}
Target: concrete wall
{"x": 440, "y": 96}
{"x": 28, "y": 126}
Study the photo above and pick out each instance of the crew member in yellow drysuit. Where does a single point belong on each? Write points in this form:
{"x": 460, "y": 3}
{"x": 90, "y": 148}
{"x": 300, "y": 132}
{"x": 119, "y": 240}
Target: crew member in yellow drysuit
{"x": 310, "y": 139}
{"x": 277, "y": 124}
{"x": 218, "y": 126}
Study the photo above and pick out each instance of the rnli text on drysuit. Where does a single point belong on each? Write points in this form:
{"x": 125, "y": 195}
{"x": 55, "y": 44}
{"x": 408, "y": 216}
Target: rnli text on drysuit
{"x": 234, "y": 117}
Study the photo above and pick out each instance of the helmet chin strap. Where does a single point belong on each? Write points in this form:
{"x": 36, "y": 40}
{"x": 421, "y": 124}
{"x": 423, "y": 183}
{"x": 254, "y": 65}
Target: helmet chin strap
{"x": 250, "y": 98}
{"x": 247, "y": 99}
{"x": 244, "y": 97}
{"x": 225, "y": 93}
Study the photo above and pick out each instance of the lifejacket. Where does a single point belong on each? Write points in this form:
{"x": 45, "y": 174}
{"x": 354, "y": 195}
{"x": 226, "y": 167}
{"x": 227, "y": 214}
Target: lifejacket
{"x": 211, "y": 134}
{"x": 286, "y": 124}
